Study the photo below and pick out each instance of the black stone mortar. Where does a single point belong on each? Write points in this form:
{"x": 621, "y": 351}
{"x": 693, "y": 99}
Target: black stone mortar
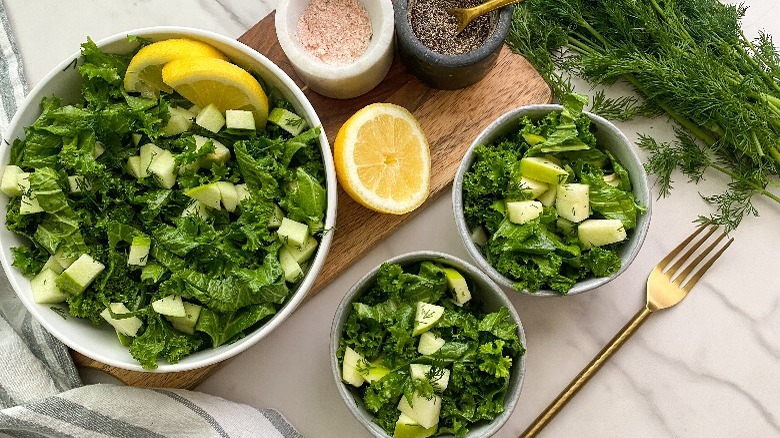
{"x": 449, "y": 71}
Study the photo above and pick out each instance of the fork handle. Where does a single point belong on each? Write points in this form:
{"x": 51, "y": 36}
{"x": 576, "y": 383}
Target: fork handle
{"x": 589, "y": 371}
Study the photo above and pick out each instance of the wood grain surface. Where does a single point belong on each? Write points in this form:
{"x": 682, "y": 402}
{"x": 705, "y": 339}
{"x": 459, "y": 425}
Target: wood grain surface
{"x": 451, "y": 119}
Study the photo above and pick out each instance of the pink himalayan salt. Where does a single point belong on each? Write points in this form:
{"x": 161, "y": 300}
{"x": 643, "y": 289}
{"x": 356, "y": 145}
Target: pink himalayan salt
{"x": 335, "y": 31}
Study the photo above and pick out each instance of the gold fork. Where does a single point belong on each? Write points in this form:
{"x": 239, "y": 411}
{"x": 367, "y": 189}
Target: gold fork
{"x": 664, "y": 290}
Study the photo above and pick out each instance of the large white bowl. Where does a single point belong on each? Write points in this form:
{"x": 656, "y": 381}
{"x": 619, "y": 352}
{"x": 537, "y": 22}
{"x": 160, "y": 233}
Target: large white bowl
{"x": 100, "y": 343}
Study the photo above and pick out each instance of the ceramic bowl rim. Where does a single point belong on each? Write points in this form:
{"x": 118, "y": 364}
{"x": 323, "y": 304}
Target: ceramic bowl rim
{"x": 641, "y": 189}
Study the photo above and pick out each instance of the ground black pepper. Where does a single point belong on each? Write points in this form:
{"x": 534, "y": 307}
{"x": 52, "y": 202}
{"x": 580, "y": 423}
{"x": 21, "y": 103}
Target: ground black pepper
{"x": 435, "y": 28}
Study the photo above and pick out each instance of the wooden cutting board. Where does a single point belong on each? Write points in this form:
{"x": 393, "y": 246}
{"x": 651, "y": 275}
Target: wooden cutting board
{"x": 451, "y": 119}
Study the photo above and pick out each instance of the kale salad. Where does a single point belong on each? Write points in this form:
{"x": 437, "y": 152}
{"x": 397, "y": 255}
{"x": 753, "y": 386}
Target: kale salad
{"x": 182, "y": 238}
{"x": 423, "y": 355}
{"x": 547, "y": 205}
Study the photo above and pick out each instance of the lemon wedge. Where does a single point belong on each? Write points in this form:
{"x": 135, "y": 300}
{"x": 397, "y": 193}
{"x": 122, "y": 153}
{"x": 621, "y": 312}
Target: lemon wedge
{"x": 205, "y": 81}
{"x": 144, "y": 73}
{"x": 383, "y": 160}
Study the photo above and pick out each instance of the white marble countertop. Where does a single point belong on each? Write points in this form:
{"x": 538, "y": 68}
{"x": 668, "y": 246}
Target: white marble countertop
{"x": 708, "y": 367}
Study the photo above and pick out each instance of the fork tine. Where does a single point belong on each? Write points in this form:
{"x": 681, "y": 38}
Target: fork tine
{"x": 679, "y": 278}
{"x": 670, "y": 272}
{"x": 696, "y": 276}
{"x": 662, "y": 264}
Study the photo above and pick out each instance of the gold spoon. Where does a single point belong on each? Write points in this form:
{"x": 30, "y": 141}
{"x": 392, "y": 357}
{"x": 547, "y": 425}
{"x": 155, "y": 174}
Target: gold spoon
{"x": 465, "y": 15}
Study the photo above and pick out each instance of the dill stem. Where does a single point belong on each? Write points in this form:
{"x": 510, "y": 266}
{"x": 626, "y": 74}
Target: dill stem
{"x": 759, "y": 149}
{"x": 579, "y": 46}
{"x": 748, "y": 182}
{"x": 592, "y": 31}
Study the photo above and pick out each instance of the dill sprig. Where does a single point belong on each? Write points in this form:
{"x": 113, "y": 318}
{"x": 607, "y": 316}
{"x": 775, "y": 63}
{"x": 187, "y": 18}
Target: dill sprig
{"x": 688, "y": 59}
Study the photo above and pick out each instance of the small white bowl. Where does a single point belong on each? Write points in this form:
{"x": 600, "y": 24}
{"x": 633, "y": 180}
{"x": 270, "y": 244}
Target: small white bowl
{"x": 346, "y": 81}
{"x": 100, "y": 342}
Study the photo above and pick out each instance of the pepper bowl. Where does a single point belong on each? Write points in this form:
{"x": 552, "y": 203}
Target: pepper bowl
{"x": 446, "y": 71}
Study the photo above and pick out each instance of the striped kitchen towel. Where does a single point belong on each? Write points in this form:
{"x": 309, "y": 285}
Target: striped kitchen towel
{"x": 41, "y": 394}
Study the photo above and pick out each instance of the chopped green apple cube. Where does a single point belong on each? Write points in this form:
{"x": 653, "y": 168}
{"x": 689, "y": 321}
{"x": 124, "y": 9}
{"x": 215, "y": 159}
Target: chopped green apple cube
{"x": 239, "y": 119}
{"x": 77, "y": 184}
{"x": 243, "y": 193}
{"x": 210, "y": 118}
{"x": 542, "y": 169}
{"x": 429, "y": 343}
{"x": 532, "y": 188}
{"x": 600, "y": 232}
{"x": 521, "y": 212}
{"x": 221, "y": 152}
{"x": 137, "y": 138}
{"x": 180, "y": 121}
{"x": 208, "y": 194}
{"x": 349, "y": 368}
{"x": 147, "y": 152}
{"x": 287, "y": 120}
{"x": 228, "y": 195}
{"x": 62, "y": 260}
{"x": 292, "y": 270}
{"x": 78, "y": 276}
{"x": 548, "y": 198}
{"x": 572, "y": 201}
{"x": 186, "y": 323}
{"x": 426, "y": 317}
{"x": 9, "y": 184}
{"x": 170, "y": 305}
{"x": 478, "y": 236}
{"x": 533, "y": 139}
{"x": 292, "y": 232}
{"x": 163, "y": 167}
{"x": 276, "y": 218}
{"x": 54, "y": 265}
{"x": 127, "y": 326}
{"x": 425, "y": 411}
{"x": 134, "y": 167}
{"x": 406, "y": 427}
{"x": 99, "y": 149}
{"x": 373, "y": 371}
{"x": 139, "y": 251}
{"x": 196, "y": 208}
{"x": 29, "y": 203}
{"x": 303, "y": 252}
{"x": 440, "y": 377}
{"x": 44, "y": 288}
{"x": 457, "y": 284}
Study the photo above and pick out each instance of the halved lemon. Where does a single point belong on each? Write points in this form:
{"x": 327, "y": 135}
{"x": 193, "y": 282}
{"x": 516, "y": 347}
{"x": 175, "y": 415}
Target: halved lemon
{"x": 144, "y": 73}
{"x": 382, "y": 159}
{"x": 204, "y": 81}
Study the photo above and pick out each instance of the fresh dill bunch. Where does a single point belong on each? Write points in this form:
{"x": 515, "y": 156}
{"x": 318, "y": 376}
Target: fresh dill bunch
{"x": 687, "y": 59}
